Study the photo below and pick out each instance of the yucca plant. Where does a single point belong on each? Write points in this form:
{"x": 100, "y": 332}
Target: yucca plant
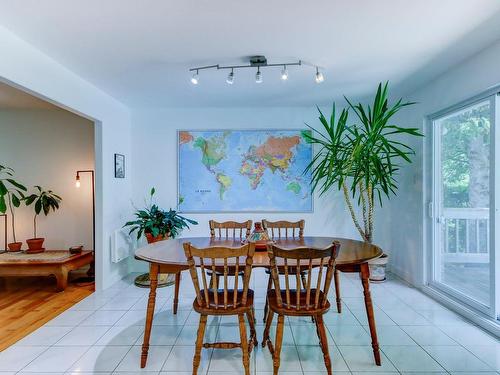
{"x": 362, "y": 159}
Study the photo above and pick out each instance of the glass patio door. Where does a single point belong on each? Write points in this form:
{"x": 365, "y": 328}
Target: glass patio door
{"x": 463, "y": 259}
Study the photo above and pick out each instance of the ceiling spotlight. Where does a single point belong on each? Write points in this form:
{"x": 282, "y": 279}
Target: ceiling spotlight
{"x": 258, "y": 76}
{"x": 195, "y": 78}
{"x": 230, "y": 78}
{"x": 284, "y": 73}
{"x": 319, "y": 76}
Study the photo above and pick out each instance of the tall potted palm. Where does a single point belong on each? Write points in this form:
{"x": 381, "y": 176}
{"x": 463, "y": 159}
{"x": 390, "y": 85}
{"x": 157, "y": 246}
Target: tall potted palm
{"x": 11, "y": 195}
{"x": 361, "y": 159}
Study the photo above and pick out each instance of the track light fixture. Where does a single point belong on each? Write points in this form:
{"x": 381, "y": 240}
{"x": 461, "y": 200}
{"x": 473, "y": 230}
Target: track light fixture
{"x": 195, "y": 78}
{"x": 319, "y": 76}
{"x": 256, "y": 62}
{"x": 258, "y": 76}
{"x": 230, "y": 77}
{"x": 284, "y": 73}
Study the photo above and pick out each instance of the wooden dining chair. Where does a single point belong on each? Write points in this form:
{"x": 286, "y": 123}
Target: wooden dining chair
{"x": 278, "y": 230}
{"x": 210, "y": 300}
{"x": 312, "y": 300}
{"x": 228, "y": 230}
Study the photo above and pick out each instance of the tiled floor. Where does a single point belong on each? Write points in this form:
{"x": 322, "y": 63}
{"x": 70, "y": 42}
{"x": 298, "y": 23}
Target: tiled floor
{"x": 103, "y": 333}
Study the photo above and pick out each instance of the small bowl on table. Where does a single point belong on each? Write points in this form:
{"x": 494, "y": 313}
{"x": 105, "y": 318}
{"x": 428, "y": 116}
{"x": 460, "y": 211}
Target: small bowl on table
{"x": 76, "y": 249}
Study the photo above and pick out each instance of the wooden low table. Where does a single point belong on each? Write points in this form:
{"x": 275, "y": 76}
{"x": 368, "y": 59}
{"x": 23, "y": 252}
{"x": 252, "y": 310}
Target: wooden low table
{"x": 51, "y": 262}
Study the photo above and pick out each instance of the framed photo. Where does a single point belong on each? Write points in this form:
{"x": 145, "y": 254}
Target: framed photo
{"x": 119, "y": 166}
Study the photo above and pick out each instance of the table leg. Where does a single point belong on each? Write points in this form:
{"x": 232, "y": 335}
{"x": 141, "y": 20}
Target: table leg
{"x": 365, "y": 276}
{"x": 62, "y": 279}
{"x": 153, "y": 276}
{"x": 176, "y": 291}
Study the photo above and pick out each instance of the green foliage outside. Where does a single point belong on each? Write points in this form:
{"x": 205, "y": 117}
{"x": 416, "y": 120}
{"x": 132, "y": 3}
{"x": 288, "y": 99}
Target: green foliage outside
{"x": 465, "y": 140}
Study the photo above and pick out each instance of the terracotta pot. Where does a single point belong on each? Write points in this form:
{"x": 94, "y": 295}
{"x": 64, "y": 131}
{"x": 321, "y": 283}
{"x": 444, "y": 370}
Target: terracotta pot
{"x": 15, "y": 246}
{"x": 151, "y": 239}
{"x": 35, "y": 244}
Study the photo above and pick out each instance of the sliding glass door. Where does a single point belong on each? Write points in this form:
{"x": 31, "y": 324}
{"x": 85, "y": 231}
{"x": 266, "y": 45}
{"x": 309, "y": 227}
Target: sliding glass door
{"x": 463, "y": 214}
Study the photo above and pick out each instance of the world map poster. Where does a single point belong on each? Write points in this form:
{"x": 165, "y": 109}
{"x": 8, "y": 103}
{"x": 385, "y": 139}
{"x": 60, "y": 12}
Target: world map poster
{"x": 244, "y": 170}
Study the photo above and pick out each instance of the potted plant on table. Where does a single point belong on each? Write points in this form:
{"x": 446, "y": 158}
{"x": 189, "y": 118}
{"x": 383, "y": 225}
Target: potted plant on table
{"x": 43, "y": 201}
{"x": 157, "y": 224}
{"x": 11, "y": 195}
{"x": 361, "y": 160}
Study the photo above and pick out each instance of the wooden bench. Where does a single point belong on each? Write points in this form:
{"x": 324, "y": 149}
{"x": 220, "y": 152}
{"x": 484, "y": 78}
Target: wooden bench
{"x": 56, "y": 263}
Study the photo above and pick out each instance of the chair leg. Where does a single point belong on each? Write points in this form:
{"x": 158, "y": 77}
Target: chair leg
{"x": 277, "y": 346}
{"x": 244, "y": 344}
{"x": 269, "y": 287}
{"x": 199, "y": 343}
{"x": 253, "y": 332}
{"x": 269, "y": 320}
{"x": 320, "y": 327}
{"x": 176, "y": 291}
{"x": 337, "y": 290}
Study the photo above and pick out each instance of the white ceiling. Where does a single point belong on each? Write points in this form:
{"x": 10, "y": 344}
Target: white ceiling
{"x": 139, "y": 51}
{"x": 13, "y": 98}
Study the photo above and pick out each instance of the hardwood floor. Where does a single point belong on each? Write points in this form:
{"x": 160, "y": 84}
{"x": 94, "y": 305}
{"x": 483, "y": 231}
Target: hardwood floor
{"x": 27, "y": 303}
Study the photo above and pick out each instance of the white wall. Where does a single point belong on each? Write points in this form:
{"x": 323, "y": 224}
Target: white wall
{"x": 408, "y": 210}
{"x": 155, "y": 164}
{"x": 54, "y": 143}
{"x": 31, "y": 69}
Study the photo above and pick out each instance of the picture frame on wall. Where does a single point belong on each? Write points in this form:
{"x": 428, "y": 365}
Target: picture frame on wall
{"x": 119, "y": 166}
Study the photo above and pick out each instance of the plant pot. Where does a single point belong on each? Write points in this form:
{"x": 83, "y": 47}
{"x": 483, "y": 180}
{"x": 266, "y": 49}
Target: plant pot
{"x": 377, "y": 268}
{"x": 15, "y": 246}
{"x": 151, "y": 239}
{"x": 35, "y": 245}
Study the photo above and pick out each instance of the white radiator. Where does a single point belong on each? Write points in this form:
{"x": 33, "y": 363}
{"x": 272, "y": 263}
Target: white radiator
{"x": 122, "y": 245}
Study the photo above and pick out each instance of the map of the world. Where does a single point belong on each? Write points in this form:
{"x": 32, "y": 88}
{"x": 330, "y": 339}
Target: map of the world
{"x": 244, "y": 170}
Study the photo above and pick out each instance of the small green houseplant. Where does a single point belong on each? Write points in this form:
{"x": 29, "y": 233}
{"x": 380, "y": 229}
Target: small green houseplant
{"x": 11, "y": 195}
{"x": 362, "y": 159}
{"x": 157, "y": 224}
{"x": 43, "y": 201}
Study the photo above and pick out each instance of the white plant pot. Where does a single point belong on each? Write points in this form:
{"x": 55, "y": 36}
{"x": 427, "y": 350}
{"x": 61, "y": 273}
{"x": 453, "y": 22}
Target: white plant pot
{"x": 377, "y": 268}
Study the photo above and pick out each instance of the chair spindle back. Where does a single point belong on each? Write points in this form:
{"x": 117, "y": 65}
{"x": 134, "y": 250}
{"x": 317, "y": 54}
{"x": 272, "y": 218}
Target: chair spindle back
{"x": 284, "y": 229}
{"x": 296, "y": 261}
{"x": 230, "y": 229}
{"x": 208, "y": 259}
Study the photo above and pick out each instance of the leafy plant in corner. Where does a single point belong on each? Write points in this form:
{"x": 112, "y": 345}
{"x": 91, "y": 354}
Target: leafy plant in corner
{"x": 361, "y": 159}
{"x": 156, "y": 223}
{"x": 43, "y": 201}
{"x": 11, "y": 195}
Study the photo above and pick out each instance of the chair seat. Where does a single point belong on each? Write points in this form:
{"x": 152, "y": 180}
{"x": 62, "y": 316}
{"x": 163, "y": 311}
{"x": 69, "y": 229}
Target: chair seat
{"x": 218, "y": 309}
{"x": 291, "y": 270}
{"x": 219, "y": 271}
{"x": 292, "y": 309}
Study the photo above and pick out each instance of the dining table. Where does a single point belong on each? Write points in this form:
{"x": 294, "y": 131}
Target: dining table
{"x": 168, "y": 257}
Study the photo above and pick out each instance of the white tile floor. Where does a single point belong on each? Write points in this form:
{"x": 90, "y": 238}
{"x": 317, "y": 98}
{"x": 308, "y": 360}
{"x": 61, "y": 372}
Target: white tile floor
{"x": 103, "y": 335}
